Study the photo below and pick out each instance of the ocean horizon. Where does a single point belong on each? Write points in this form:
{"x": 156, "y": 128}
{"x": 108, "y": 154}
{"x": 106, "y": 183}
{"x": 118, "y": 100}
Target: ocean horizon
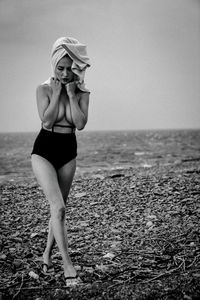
{"x": 107, "y": 149}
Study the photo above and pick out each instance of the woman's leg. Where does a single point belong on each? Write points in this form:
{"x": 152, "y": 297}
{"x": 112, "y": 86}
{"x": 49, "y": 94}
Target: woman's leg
{"x": 65, "y": 178}
{"x": 48, "y": 179}
{"x": 49, "y": 248}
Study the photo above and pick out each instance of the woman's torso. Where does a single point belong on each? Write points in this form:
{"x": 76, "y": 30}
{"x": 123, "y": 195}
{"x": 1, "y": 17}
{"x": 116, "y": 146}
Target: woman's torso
{"x": 64, "y": 116}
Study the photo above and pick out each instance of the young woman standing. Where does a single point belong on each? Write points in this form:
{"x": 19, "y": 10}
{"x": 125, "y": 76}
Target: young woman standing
{"x": 62, "y": 103}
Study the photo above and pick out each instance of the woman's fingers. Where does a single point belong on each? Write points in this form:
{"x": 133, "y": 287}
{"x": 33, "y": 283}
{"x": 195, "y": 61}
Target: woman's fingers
{"x": 56, "y": 85}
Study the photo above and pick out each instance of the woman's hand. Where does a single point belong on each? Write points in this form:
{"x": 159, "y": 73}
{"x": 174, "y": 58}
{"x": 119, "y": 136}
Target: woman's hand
{"x": 70, "y": 88}
{"x": 56, "y": 86}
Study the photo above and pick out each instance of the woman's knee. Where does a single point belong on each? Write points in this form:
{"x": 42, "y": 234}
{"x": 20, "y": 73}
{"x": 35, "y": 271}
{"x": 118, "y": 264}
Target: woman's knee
{"x": 58, "y": 212}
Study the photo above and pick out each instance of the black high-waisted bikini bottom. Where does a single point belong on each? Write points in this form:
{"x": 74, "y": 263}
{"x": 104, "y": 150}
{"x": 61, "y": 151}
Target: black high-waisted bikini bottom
{"x": 57, "y": 148}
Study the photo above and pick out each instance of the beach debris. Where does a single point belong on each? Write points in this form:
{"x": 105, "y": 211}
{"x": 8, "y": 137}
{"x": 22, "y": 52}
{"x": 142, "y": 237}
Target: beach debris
{"x": 94, "y": 203}
{"x": 117, "y": 175}
{"x": 34, "y": 234}
{"x": 132, "y": 186}
{"x": 80, "y": 195}
{"x": 78, "y": 267}
{"x": 192, "y": 244}
{"x": 16, "y": 220}
{"x": 3, "y": 256}
{"x": 147, "y": 166}
{"x": 139, "y": 153}
{"x": 102, "y": 267}
{"x": 116, "y": 244}
{"x": 33, "y": 275}
{"x": 109, "y": 255}
{"x": 96, "y": 215}
{"x": 149, "y": 224}
{"x": 152, "y": 217}
{"x": 88, "y": 269}
{"x": 98, "y": 176}
{"x": 127, "y": 232}
{"x": 12, "y": 249}
{"x": 83, "y": 223}
{"x": 17, "y": 262}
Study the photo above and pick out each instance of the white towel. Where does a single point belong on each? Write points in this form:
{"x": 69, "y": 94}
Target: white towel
{"x": 77, "y": 52}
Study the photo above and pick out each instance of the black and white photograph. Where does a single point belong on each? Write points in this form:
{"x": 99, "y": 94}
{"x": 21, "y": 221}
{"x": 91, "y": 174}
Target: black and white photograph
{"x": 100, "y": 149}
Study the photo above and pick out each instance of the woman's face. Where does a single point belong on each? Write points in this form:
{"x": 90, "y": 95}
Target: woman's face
{"x": 63, "y": 70}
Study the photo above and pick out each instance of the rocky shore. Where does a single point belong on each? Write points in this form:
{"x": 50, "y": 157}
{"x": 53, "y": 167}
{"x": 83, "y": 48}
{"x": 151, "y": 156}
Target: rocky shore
{"x": 133, "y": 234}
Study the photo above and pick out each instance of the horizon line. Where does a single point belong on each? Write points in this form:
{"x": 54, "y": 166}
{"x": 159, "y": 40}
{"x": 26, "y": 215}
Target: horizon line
{"x": 117, "y": 129}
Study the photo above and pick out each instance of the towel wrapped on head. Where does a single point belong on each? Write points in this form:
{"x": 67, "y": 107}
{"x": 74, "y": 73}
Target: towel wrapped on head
{"x": 77, "y": 52}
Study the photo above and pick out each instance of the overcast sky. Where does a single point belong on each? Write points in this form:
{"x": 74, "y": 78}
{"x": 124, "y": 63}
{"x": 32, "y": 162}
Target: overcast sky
{"x": 145, "y": 56}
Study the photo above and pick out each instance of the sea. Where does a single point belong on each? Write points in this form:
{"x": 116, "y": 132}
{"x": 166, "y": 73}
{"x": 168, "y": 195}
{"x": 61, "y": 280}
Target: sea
{"x": 106, "y": 150}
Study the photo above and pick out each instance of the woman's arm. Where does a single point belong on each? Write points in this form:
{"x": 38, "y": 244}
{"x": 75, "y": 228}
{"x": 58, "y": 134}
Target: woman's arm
{"x": 79, "y": 109}
{"x": 48, "y": 108}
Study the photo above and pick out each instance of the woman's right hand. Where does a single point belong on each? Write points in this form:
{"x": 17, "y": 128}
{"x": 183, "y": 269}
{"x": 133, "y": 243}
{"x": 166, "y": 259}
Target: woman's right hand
{"x": 56, "y": 86}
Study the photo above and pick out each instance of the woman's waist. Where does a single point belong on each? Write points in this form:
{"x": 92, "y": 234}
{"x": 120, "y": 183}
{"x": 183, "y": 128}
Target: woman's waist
{"x": 61, "y": 128}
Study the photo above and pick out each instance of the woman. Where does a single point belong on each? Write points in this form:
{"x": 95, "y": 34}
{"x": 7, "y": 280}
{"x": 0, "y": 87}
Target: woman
{"x": 62, "y": 103}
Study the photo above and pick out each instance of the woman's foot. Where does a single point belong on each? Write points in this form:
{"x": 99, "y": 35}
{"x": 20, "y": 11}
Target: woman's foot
{"x": 47, "y": 265}
{"x": 71, "y": 277}
{"x": 72, "y": 281}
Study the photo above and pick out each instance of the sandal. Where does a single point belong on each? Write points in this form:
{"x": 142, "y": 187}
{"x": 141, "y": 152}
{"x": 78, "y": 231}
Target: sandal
{"x": 47, "y": 270}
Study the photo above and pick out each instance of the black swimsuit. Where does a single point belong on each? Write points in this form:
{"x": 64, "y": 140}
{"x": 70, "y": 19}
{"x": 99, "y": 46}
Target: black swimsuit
{"x": 57, "y": 148}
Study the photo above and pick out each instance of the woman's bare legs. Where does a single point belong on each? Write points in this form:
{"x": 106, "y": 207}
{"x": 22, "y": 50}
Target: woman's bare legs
{"x": 65, "y": 178}
{"x": 52, "y": 183}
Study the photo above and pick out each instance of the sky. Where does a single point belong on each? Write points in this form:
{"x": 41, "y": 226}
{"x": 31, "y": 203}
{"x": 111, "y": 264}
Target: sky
{"x": 145, "y": 57}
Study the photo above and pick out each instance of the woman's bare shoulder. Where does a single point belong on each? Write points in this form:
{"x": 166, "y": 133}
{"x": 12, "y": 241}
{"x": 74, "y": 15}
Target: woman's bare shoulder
{"x": 44, "y": 89}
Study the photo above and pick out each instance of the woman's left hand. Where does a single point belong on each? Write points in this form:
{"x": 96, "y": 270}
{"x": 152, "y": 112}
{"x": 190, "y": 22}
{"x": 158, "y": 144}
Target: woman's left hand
{"x": 70, "y": 88}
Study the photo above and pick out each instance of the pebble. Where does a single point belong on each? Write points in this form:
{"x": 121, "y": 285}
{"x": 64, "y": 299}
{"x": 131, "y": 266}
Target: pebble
{"x": 149, "y": 224}
{"x": 3, "y": 256}
{"x": 33, "y": 275}
{"x": 34, "y": 234}
{"x": 12, "y": 249}
{"x": 109, "y": 255}
{"x": 17, "y": 262}
{"x": 192, "y": 244}
{"x": 80, "y": 195}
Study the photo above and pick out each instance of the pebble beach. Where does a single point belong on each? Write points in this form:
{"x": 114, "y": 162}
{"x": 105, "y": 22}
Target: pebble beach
{"x": 132, "y": 217}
